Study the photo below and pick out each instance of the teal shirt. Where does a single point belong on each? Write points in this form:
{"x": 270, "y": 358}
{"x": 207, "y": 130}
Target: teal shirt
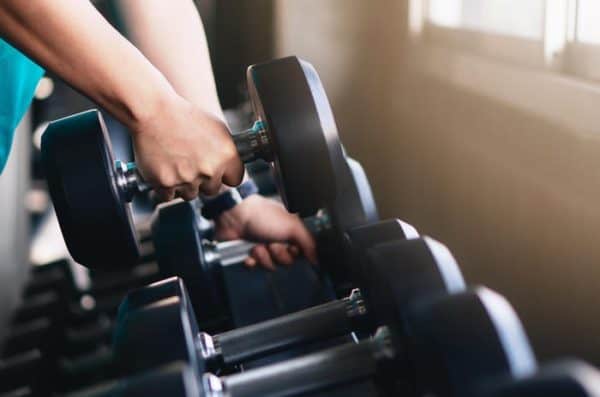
{"x": 19, "y": 77}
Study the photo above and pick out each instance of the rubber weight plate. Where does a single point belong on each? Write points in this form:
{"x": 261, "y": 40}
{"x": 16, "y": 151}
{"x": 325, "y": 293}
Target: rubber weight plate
{"x": 354, "y": 206}
{"x": 493, "y": 336}
{"x": 159, "y": 333}
{"x": 96, "y": 222}
{"x": 288, "y": 97}
{"x": 565, "y": 378}
{"x": 179, "y": 252}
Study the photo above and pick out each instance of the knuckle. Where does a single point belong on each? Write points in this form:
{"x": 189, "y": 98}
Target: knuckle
{"x": 185, "y": 173}
{"x": 165, "y": 178}
{"x": 209, "y": 170}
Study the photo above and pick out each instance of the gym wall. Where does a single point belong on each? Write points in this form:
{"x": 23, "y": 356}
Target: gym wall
{"x": 509, "y": 179}
{"x": 14, "y": 234}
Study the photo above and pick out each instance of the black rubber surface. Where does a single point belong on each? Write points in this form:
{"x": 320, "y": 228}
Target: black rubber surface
{"x": 157, "y": 334}
{"x": 462, "y": 340}
{"x": 179, "y": 253}
{"x": 566, "y": 378}
{"x": 95, "y": 220}
{"x": 353, "y": 206}
{"x": 288, "y": 96}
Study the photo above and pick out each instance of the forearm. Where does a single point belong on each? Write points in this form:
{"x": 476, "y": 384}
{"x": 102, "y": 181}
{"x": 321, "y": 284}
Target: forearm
{"x": 171, "y": 35}
{"x": 70, "y": 38}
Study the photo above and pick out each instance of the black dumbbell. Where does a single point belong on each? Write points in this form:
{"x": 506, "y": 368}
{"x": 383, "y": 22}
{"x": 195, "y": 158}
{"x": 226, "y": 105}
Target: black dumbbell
{"x": 57, "y": 319}
{"x": 52, "y": 291}
{"x": 26, "y": 368}
{"x": 90, "y": 190}
{"x": 181, "y": 251}
{"x": 568, "y": 378}
{"x": 51, "y": 320}
{"x": 416, "y": 267}
{"x": 446, "y": 346}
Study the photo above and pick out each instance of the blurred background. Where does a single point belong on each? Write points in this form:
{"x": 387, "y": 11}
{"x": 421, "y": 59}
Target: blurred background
{"x": 476, "y": 120}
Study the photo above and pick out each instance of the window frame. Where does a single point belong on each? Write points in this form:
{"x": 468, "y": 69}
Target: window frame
{"x": 528, "y": 52}
{"x": 557, "y": 50}
{"x": 549, "y": 92}
{"x": 581, "y": 59}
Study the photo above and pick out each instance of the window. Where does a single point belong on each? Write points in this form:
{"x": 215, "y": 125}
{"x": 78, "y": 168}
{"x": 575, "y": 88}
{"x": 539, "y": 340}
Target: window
{"x": 588, "y": 15}
{"x": 560, "y": 35}
{"x": 492, "y": 16}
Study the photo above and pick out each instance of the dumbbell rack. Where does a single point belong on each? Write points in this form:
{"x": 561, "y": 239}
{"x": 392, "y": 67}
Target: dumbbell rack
{"x": 257, "y": 296}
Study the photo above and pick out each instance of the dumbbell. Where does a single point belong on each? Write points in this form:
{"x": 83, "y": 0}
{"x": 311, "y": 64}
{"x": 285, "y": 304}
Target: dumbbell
{"x": 52, "y": 290}
{"x": 54, "y": 310}
{"x": 416, "y": 267}
{"x": 49, "y": 338}
{"x": 57, "y": 319}
{"x": 26, "y": 368}
{"x": 445, "y": 346}
{"x": 568, "y": 378}
{"x": 181, "y": 251}
{"x": 90, "y": 190}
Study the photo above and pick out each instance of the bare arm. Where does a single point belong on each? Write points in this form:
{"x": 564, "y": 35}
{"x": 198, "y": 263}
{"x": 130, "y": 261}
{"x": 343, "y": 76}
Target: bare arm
{"x": 171, "y": 35}
{"x": 73, "y": 40}
{"x": 180, "y": 147}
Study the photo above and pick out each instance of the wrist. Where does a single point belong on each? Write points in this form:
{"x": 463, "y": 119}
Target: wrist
{"x": 216, "y": 206}
{"x": 146, "y": 104}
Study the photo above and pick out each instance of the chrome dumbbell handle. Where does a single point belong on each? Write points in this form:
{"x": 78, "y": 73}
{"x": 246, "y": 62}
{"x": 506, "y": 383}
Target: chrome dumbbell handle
{"x": 226, "y": 253}
{"x": 309, "y": 373}
{"x": 253, "y": 143}
{"x": 320, "y": 322}
{"x": 129, "y": 180}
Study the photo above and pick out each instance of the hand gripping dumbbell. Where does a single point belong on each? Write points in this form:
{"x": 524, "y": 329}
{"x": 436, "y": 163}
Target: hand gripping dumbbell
{"x": 180, "y": 251}
{"x": 566, "y": 378}
{"x": 295, "y": 130}
{"x": 445, "y": 346}
{"x": 414, "y": 268}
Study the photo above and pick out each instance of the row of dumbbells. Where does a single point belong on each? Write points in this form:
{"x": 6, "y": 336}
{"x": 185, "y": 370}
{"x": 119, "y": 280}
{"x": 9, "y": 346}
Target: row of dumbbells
{"x": 410, "y": 327}
{"x": 414, "y": 327}
{"x": 405, "y": 323}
